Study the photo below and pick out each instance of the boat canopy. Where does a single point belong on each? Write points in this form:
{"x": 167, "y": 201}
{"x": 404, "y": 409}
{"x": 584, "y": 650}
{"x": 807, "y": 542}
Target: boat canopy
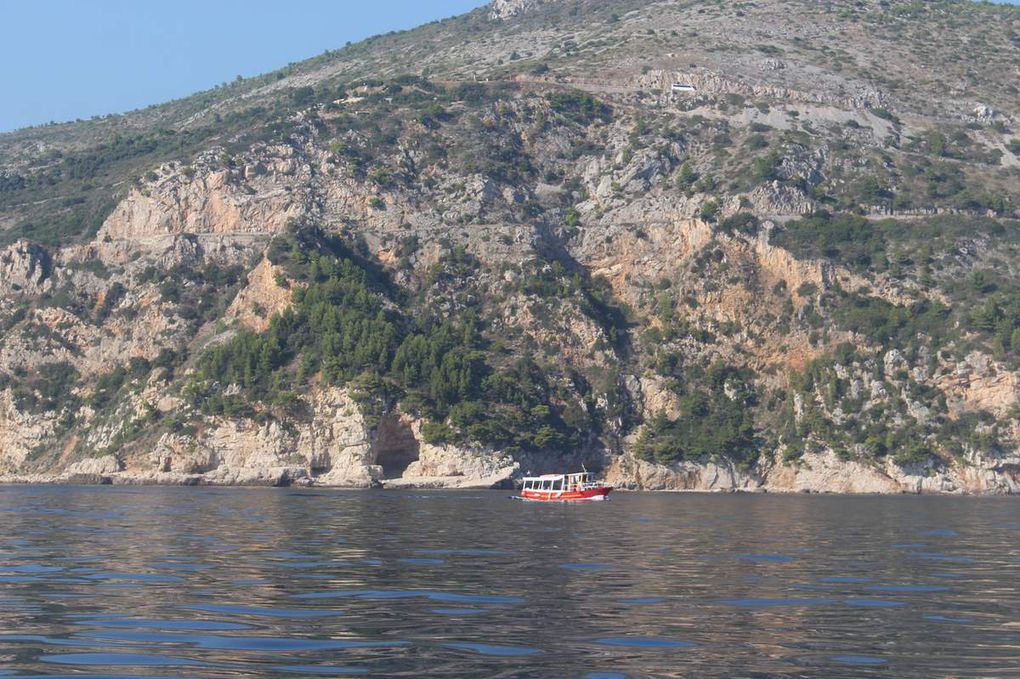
{"x": 558, "y": 482}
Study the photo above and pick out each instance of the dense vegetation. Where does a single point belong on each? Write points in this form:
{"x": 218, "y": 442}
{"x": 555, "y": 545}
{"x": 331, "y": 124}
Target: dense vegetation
{"x": 48, "y": 388}
{"x": 715, "y": 421}
{"x": 881, "y": 245}
{"x": 346, "y": 327}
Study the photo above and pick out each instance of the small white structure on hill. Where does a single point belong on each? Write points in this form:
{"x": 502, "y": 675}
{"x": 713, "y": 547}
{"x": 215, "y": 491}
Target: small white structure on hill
{"x": 683, "y": 87}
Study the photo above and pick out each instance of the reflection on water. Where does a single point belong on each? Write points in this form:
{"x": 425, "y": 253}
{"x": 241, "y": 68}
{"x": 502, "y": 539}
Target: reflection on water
{"x": 185, "y": 582}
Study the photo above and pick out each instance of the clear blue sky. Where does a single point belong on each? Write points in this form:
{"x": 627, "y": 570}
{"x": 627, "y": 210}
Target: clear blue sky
{"x": 67, "y": 59}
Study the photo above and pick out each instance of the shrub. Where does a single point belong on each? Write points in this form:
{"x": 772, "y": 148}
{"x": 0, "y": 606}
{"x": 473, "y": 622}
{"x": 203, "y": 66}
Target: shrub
{"x": 885, "y": 114}
{"x": 48, "y": 389}
{"x": 711, "y": 423}
{"x": 766, "y": 168}
{"x": 742, "y": 222}
{"x": 710, "y": 210}
{"x": 849, "y": 239}
{"x": 580, "y": 107}
{"x": 891, "y": 325}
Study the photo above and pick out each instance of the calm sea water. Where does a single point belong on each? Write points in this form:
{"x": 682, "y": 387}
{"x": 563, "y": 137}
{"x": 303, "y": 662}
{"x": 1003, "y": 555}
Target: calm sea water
{"x": 186, "y": 582}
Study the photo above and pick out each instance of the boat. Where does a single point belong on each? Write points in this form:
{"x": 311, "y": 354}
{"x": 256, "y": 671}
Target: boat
{"x": 564, "y": 487}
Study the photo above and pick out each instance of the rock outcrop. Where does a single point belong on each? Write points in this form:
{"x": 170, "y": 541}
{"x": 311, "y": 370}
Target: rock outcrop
{"x": 336, "y": 447}
{"x": 20, "y": 433}
{"x": 208, "y": 199}
{"x": 456, "y": 467}
{"x": 822, "y": 472}
{"x": 630, "y": 473}
{"x": 24, "y": 268}
{"x": 500, "y": 10}
{"x": 266, "y": 293}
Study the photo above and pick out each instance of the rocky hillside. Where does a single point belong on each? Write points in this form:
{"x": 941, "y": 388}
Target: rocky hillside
{"x": 692, "y": 244}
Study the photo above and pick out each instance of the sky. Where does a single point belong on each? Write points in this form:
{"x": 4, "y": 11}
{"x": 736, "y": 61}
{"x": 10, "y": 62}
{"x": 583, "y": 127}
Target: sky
{"x": 67, "y": 59}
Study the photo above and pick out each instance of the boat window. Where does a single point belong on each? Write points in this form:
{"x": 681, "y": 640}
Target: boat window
{"x": 557, "y": 484}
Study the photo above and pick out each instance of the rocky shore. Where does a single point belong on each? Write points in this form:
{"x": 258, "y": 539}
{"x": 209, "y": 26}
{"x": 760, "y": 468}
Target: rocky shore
{"x": 451, "y": 468}
{"x": 635, "y": 232}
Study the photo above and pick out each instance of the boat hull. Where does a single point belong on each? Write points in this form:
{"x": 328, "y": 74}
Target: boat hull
{"x": 588, "y": 494}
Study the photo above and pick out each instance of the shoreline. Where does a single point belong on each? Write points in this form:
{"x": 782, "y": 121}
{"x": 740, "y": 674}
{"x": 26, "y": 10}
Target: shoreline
{"x": 138, "y": 482}
{"x": 822, "y": 473}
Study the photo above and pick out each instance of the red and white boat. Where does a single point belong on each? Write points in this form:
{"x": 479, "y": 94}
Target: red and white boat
{"x": 561, "y": 487}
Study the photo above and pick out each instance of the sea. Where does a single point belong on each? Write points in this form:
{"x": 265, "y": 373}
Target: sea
{"x": 100, "y": 581}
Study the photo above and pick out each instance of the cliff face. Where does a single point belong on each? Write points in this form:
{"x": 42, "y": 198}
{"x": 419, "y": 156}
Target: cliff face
{"x": 763, "y": 267}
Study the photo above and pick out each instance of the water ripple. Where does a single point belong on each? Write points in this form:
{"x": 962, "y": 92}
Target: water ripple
{"x": 135, "y": 623}
{"x": 491, "y": 649}
{"x": 643, "y": 642}
{"x": 413, "y": 594}
{"x": 240, "y": 643}
{"x": 123, "y": 659}
{"x": 259, "y": 611}
{"x": 858, "y": 660}
{"x": 754, "y": 603}
{"x": 321, "y": 669}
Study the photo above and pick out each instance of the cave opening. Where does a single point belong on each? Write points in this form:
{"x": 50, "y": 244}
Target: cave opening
{"x": 395, "y": 446}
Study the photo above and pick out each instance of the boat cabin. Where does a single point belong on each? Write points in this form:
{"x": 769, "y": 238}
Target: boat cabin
{"x": 555, "y": 483}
